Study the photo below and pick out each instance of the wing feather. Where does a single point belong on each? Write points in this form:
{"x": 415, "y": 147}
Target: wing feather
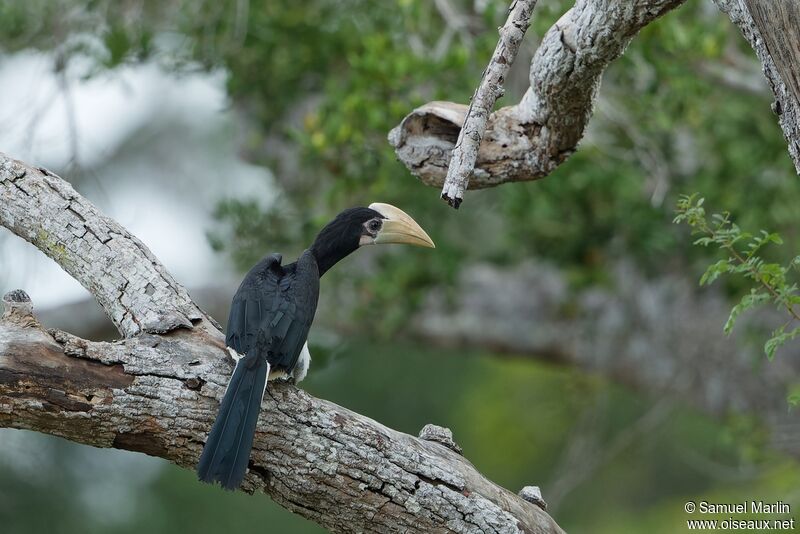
{"x": 272, "y": 312}
{"x": 269, "y": 320}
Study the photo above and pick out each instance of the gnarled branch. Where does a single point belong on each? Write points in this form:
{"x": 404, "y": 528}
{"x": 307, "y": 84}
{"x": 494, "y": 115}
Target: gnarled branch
{"x": 158, "y": 393}
{"x": 134, "y": 289}
{"x": 529, "y": 140}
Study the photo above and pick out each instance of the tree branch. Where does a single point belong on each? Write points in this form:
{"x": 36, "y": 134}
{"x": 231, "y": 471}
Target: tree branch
{"x": 158, "y": 393}
{"x": 529, "y": 140}
{"x": 489, "y": 90}
{"x": 771, "y": 29}
{"x": 134, "y": 289}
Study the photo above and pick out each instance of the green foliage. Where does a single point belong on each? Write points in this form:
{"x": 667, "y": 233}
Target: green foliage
{"x": 794, "y": 396}
{"x": 245, "y": 236}
{"x": 666, "y": 125}
{"x": 325, "y": 81}
{"x": 770, "y": 280}
{"x": 106, "y": 32}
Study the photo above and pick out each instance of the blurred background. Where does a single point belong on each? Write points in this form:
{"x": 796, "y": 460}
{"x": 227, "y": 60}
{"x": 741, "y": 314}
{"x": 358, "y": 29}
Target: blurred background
{"x": 558, "y": 329}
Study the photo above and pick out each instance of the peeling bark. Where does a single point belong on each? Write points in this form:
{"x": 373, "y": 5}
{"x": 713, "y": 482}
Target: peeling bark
{"x": 158, "y": 393}
{"x": 529, "y": 140}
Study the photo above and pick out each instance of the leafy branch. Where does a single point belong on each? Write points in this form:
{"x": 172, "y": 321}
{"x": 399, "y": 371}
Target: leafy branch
{"x": 771, "y": 282}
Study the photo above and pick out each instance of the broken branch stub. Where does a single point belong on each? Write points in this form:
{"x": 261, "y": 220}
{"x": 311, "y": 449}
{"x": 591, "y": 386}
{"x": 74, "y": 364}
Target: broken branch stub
{"x": 465, "y": 153}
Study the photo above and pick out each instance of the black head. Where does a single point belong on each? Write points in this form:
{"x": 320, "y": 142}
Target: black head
{"x": 342, "y": 235}
{"x": 355, "y": 227}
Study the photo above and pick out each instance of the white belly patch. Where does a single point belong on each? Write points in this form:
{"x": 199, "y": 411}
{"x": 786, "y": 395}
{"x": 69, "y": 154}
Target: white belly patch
{"x": 303, "y": 362}
{"x": 298, "y": 373}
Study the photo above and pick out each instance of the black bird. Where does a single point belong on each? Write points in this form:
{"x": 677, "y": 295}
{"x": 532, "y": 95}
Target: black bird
{"x": 269, "y": 320}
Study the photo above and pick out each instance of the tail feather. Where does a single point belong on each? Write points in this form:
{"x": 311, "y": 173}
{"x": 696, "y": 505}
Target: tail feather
{"x": 227, "y": 450}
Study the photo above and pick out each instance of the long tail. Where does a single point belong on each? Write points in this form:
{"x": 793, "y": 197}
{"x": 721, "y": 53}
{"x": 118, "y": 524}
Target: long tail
{"x": 228, "y": 446}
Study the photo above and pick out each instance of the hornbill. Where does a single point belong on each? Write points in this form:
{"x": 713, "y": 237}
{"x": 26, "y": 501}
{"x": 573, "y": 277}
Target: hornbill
{"x": 269, "y": 320}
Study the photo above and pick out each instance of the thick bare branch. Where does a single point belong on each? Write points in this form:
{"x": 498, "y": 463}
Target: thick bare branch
{"x": 158, "y": 393}
{"x": 771, "y": 29}
{"x": 489, "y": 90}
{"x": 135, "y": 290}
{"x": 529, "y": 140}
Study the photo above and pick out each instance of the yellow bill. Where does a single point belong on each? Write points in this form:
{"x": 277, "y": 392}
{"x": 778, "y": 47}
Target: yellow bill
{"x": 399, "y": 227}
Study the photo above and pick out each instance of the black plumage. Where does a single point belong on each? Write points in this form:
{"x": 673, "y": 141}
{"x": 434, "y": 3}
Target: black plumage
{"x": 269, "y": 320}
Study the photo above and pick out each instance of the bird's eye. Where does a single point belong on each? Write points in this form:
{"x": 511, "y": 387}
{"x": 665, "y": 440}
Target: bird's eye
{"x": 374, "y": 225}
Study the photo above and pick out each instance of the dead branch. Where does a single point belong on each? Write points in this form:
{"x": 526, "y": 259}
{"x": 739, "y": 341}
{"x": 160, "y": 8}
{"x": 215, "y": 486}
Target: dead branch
{"x": 529, "y": 140}
{"x": 489, "y": 90}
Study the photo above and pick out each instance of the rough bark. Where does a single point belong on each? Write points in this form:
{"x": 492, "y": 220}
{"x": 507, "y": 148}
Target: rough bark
{"x": 772, "y": 30}
{"x": 157, "y": 393}
{"x": 529, "y": 140}
{"x": 135, "y": 290}
{"x": 489, "y": 90}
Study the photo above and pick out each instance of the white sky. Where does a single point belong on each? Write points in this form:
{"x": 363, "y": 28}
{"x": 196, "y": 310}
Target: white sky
{"x": 162, "y": 185}
{"x": 161, "y": 151}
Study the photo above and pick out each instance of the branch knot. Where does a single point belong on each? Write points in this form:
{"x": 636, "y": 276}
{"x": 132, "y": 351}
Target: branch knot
{"x": 19, "y": 308}
{"x": 440, "y": 435}
{"x": 534, "y": 495}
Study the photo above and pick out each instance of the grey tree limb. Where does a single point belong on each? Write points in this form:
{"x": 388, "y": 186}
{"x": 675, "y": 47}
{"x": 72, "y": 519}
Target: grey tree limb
{"x": 157, "y": 391}
{"x": 772, "y": 30}
{"x": 529, "y": 140}
{"x": 134, "y": 289}
{"x": 465, "y": 153}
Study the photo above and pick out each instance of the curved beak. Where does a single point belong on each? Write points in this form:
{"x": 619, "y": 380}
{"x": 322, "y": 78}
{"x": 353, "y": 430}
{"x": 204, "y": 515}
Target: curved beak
{"x": 399, "y": 227}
